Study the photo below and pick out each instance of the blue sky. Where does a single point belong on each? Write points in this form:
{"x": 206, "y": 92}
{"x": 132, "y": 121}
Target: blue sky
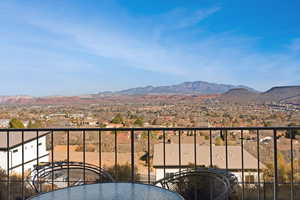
{"x": 70, "y": 47}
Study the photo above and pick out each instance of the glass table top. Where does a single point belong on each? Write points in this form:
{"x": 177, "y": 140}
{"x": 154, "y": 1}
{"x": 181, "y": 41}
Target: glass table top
{"x": 110, "y": 191}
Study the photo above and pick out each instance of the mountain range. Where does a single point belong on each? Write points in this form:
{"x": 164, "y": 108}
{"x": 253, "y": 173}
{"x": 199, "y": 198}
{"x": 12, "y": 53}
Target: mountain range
{"x": 281, "y": 94}
{"x": 196, "y": 87}
{"x": 181, "y": 92}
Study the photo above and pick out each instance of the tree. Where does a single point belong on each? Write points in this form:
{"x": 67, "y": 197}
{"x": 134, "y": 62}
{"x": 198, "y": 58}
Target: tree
{"x": 88, "y": 148}
{"x": 122, "y": 173}
{"x": 283, "y": 170}
{"x": 15, "y": 123}
{"x": 155, "y": 122}
{"x": 36, "y": 124}
{"x": 101, "y": 124}
{"x": 138, "y": 122}
{"x": 30, "y": 124}
{"x": 152, "y": 135}
{"x": 266, "y": 123}
{"x": 14, "y": 185}
{"x": 118, "y": 119}
{"x": 218, "y": 141}
{"x": 131, "y": 116}
{"x": 292, "y": 133}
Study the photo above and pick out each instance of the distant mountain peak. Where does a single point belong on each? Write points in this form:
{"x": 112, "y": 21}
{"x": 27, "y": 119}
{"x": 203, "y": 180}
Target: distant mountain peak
{"x": 188, "y": 87}
{"x": 239, "y": 90}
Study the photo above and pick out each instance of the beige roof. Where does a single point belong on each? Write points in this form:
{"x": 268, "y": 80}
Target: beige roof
{"x": 107, "y": 158}
{"x": 187, "y": 139}
{"x": 203, "y": 156}
{"x": 15, "y": 138}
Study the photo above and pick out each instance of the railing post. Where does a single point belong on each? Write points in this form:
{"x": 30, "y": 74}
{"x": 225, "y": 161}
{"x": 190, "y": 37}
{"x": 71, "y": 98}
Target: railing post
{"x": 8, "y": 165}
{"x": 68, "y": 156}
{"x": 148, "y": 158}
{"x": 52, "y": 159}
{"x": 226, "y": 150}
{"x": 264, "y": 189}
{"x": 116, "y": 155}
{"x": 195, "y": 161}
{"x": 132, "y": 155}
{"x": 195, "y": 149}
{"x": 164, "y": 151}
{"x": 210, "y": 149}
{"x": 258, "y": 163}
{"x": 291, "y": 134}
{"x": 22, "y": 164}
{"x": 275, "y": 165}
{"x": 242, "y": 154}
{"x": 37, "y": 160}
{"x": 84, "y": 162}
{"x": 179, "y": 150}
{"x": 100, "y": 152}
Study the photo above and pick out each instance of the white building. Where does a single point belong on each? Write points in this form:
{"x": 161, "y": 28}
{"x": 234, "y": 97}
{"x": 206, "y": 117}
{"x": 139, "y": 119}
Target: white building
{"x": 203, "y": 159}
{"x": 4, "y": 123}
{"x": 34, "y": 150}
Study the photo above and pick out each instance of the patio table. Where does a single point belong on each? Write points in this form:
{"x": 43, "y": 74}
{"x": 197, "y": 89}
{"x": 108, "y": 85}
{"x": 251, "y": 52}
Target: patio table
{"x": 110, "y": 191}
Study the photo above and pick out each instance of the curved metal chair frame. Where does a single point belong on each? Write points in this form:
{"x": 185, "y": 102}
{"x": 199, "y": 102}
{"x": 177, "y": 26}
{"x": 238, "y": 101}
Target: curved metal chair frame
{"x": 40, "y": 173}
{"x": 227, "y": 178}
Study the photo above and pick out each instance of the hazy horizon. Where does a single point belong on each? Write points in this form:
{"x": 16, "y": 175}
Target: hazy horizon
{"x": 142, "y": 86}
{"x": 88, "y": 47}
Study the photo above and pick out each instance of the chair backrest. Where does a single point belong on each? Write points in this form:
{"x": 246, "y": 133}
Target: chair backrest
{"x": 64, "y": 174}
{"x": 200, "y": 183}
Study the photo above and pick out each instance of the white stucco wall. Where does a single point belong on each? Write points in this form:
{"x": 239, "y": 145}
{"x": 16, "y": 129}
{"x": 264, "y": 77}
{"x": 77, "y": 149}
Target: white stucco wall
{"x": 3, "y": 159}
{"x": 30, "y": 153}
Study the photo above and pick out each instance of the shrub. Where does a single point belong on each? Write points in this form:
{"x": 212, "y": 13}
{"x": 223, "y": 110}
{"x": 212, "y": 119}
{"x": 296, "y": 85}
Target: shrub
{"x": 15, "y": 123}
{"x": 118, "y": 119}
{"x": 88, "y": 148}
{"x": 122, "y": 173}
{"x": 15, "y": 186}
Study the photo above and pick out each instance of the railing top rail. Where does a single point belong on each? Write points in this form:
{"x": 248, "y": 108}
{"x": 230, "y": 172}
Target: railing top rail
{"x": 155, "y": 129}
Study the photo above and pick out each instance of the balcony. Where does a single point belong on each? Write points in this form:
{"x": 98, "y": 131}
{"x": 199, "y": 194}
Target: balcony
{"x": 264, "y": 160}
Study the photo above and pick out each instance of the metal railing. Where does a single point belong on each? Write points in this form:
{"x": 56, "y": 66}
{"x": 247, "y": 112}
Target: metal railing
{"x": 255, "y": 134}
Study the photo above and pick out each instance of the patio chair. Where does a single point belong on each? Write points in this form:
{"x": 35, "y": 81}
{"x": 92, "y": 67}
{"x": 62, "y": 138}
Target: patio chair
{"x": 201, "y": 183}
{"x": 47, "y": 176}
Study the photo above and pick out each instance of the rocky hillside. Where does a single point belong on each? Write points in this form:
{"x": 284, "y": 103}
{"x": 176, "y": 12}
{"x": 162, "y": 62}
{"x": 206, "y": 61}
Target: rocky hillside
{"x": 239, "y": 95}
{"x": 282, "y": 94}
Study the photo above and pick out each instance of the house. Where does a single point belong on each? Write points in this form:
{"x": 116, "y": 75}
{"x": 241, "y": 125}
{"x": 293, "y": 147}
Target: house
{"x": 266, "y": 140}
{"x": 34, "y": 150}
{"x": 4, "y": 123}
{"x": 203, "y": 159}
{"x": 187, "y": 139}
